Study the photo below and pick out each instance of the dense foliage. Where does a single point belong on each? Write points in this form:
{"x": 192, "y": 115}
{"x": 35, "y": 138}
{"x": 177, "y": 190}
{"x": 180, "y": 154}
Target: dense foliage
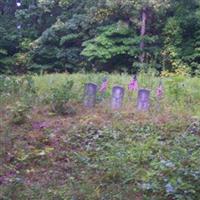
{"x": 71, "y": 35}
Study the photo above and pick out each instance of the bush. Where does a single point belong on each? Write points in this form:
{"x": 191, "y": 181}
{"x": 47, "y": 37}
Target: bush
{"x": 19, "y": 112}
{"x": 60, "y": 96}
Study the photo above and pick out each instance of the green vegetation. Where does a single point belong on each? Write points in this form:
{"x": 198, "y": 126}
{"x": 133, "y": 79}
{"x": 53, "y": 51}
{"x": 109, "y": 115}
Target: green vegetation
{"x": 59, "y": 97}
{"x": 99, "y": 35}
{"x": 54, "y": 148}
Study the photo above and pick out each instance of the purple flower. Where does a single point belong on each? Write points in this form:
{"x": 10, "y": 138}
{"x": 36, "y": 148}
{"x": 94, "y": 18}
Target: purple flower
{"x": 104, "y": 86}
{"x": 169, "y": 188}
{"x": 160, "y": 90}
{"x": 133, "y": 85}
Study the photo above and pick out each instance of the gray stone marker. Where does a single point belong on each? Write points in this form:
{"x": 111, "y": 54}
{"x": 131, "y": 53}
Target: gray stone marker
{"x": 143, "y": 100}
{"x": 117, "y": 97}
{"x": 90, "y": 95}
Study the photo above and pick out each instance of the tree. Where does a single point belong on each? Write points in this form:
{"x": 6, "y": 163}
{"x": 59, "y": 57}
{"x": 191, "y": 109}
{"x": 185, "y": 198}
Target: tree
{"x": 144, "y": 10}
{"x": 51, "y": 34}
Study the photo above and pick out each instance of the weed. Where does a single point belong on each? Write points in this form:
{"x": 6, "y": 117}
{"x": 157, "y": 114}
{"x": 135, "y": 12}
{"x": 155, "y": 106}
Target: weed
{"x": 60, "y": 97}
{"x": 19, "y": 112}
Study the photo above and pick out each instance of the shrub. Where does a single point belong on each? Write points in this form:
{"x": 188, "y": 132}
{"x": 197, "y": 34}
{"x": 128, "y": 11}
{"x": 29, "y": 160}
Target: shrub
{"x": 17, "y": 86}
{"x": 19, "y": 112}
{"x": 60, "y": 96}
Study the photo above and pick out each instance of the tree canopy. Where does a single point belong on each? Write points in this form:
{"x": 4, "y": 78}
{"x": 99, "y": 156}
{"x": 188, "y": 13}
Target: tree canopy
{"x": 110, "y": 35}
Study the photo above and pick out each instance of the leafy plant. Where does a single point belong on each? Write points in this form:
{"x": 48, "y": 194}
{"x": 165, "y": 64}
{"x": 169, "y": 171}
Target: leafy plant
{"x": 19, "y": 112}
{"x": 60, "y": 96}
{"x": 20, "y": 88}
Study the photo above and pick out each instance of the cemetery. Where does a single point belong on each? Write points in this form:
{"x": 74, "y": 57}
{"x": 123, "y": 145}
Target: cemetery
{"x": 102, "y": 140}
{"x": 99, "y": 100}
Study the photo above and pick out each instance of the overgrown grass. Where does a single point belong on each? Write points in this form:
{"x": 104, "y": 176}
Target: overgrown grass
{"x": 180, "y": 92}
{"x": 98, "y": 154}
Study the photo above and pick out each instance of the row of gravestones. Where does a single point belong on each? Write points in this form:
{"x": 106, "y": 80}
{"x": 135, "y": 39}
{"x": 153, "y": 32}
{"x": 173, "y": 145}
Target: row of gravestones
{"x": 90, "y": 93}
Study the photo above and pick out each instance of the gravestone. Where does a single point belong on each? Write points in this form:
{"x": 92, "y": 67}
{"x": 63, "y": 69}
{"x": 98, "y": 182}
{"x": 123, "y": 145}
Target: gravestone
{"x": 117, "y": 97}
{"x": 90, "y": 95}
{"x": 143, "y": 100}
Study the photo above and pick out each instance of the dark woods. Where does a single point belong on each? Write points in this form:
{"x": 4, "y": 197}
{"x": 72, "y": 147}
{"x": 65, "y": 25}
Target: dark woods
{"x": 104, "y": 35}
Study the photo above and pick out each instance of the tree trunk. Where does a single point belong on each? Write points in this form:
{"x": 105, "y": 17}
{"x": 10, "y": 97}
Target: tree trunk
{"x": 143, "y": 32}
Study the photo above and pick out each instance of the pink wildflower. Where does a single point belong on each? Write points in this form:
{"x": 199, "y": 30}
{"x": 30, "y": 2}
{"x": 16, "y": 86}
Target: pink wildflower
{"x": 133, "y": 85}
{"x": 159, "y": 91}
{"x": 104, "y": 86}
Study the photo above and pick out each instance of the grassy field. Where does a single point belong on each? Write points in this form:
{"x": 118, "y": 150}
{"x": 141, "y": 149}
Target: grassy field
{"x": 54, "y": 148}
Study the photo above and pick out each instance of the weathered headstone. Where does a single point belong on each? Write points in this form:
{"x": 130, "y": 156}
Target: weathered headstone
{"x": 143, "y": 100}
{"x": 90, "y": 95}
{"x": 117, "y": 97}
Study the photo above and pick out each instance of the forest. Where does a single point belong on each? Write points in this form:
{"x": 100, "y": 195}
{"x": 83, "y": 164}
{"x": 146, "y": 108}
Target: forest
{"x": 99, "y": 35}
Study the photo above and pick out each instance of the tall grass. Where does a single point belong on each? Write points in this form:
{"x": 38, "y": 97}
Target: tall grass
{"x": 182, "y": 94}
